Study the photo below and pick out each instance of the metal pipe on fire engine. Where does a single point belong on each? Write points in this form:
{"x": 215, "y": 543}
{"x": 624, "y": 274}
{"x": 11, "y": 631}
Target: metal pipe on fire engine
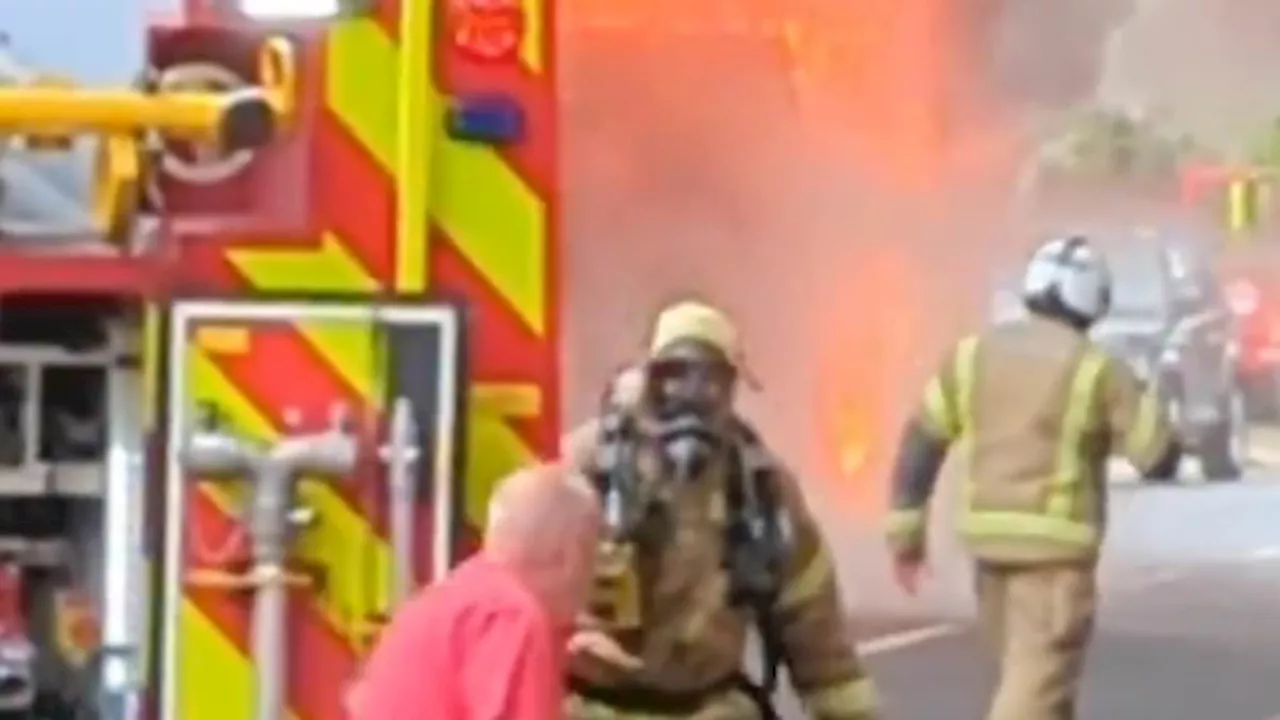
{"x": 330, "y": 454}
{"x": 214, "y": 452}
{"x": 401, "y": 454}
{"x": 124, "y": 576}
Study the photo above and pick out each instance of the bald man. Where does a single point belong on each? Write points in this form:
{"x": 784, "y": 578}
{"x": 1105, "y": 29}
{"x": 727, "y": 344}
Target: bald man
{"x": 488, "y": 641}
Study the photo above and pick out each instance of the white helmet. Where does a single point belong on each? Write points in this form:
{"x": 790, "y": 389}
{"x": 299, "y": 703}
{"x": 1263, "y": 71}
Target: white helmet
{"x": 1067, "y": 275}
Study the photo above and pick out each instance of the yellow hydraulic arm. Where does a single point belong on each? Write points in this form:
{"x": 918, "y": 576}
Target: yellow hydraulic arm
{"x": 49, "y": 115}
{"x": 235, "y": 119}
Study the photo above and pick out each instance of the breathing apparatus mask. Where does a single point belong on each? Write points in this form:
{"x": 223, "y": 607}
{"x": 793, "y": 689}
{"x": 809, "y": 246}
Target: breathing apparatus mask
{"x": 662, "y": 425}
{"x": 689, "y": 393}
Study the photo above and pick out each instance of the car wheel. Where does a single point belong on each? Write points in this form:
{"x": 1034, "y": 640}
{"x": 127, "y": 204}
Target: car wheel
{"x": 1226, "y": 447}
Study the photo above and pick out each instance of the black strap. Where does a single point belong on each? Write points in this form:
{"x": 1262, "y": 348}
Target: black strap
{"x": 761, "y": 696}
{"x": 751, "y": 497}
{"x": 635, "y": 699}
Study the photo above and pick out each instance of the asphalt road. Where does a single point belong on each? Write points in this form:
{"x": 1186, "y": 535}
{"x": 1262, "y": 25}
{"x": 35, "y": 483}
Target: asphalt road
{"x": 1189, "y": 628}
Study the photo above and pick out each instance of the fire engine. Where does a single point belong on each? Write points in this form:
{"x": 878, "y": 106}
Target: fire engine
{"x": 277, "y": 292}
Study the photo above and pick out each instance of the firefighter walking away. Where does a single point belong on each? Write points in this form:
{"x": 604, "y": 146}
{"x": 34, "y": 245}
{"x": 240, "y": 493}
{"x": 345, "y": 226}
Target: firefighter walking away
{"x": 707, "y": 537}
{"x": 1038, "y": 408}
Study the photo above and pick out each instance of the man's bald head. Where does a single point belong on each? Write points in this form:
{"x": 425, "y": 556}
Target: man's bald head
{"x": 544, "y": 523}
{"x": 538, "y": 503}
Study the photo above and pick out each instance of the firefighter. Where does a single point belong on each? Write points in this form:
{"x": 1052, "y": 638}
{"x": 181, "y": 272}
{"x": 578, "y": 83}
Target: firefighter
{"x": 1039, "y": 408}
{"x": 707, "y": 537}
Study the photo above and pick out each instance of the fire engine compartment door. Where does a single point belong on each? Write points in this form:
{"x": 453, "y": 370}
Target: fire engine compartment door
{"x": 260, "y": 350}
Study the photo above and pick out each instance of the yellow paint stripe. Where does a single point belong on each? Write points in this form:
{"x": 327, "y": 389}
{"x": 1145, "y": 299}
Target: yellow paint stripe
{"x": 151, "y": 322}
{"x": 494, "y": 450}
{"x": 507, "y": 399}
{"x": 222, "y": 340}
{"x": 354, "y": 351}
{"x": 215, "y": 679}
{"x": 419, "y": 111}
{"x": 355, "y": 48}
{"x": 498, "y": 223}
{"x": 329, "y": 266}
{"x": 357, "y": 561}
{"x": 488, "y": 211}
{"x": 533, "y": 48}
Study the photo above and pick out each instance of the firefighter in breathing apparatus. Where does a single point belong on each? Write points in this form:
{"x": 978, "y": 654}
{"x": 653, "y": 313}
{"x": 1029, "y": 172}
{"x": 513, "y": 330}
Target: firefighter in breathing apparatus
{"x": 1037, "y": 409}
{"x": 707, "y": 537}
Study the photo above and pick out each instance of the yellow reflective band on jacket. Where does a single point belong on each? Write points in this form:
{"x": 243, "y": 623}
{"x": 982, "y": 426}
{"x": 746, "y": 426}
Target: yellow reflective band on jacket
{"x": 807, "y": 583}
{"x": 943, "y": 410}
{"x": 966, "y": 359}
{"x": 904, "y": 523}
{"x": 939, "y": 411}
{"x": 1056, "y": 522}
{"x": 1075, "y": 426}
{"x": 1145, "y": 433}
{"x": 853, "y": 698}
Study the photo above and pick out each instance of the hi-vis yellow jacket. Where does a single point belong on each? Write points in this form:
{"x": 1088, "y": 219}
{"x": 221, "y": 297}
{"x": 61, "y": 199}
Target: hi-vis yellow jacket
{"x": 1037, "y": 409}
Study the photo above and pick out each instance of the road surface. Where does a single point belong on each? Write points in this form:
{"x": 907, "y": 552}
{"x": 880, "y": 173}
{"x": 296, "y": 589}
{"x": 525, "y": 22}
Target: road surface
{"x": 1189, "y": 629}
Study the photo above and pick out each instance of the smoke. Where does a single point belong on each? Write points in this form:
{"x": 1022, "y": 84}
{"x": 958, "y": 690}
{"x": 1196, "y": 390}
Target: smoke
{"x": 842, "y": 194}
{"x": 842, "y": 183}
{"x": 1206, "y": 68}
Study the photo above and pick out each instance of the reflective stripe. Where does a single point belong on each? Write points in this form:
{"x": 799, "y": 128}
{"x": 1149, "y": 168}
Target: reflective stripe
{"x": 807, "y": 583}
{"x": 1145, "y": 432}
{"x": 904, "y": 522}
{"x": 1071, "y": 471}
{"x": 986, "y": 525}
{"x": 1054, "y": 522}
{"x": 966, "y": 359}
{"x": 852, "y": 697}
{"x": 938, "y": 410}
{"x": 942, "y": 409}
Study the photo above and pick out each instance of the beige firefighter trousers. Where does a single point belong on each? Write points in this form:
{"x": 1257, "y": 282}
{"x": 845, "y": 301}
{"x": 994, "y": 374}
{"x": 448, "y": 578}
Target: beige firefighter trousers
{"x": 1039, "y": 619}
{"x": 731, "y": 705}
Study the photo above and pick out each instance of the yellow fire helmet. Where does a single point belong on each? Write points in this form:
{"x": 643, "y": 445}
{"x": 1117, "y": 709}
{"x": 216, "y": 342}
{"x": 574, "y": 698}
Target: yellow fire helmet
{"x": 692, "y": 320}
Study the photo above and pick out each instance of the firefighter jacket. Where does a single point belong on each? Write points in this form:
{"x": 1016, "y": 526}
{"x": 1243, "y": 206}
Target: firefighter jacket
{"x": 1036, "y": 409}
{"x": 690, "y": 637}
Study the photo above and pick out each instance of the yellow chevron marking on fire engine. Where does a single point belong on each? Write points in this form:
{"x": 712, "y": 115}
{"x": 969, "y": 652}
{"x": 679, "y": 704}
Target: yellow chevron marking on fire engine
{"x": 354, "y": 350}
{"x": 327, "y": 267}
{"x": 484, "y": 206}
{"x": 349, "y": 348}
{"x": 356, "y": 560}
{"x": 357, "y": 48}
{"x": 494, "y": 449}
{"x": 498, "y": 223}
{"x": 221, "y": 340}
{"x": 507, "y": 399}
{"x": 215, "y": 680}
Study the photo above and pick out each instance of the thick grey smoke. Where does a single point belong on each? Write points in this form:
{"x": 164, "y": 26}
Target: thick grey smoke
{"x": 1207, "y": 67}
{"x": 689, "y": 172}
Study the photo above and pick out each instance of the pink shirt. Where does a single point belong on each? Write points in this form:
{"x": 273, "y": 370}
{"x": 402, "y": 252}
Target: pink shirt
{"x": 478, "y": 646}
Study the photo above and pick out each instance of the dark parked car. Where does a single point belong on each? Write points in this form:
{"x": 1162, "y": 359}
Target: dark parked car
{"x": 1170, "y": 319}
